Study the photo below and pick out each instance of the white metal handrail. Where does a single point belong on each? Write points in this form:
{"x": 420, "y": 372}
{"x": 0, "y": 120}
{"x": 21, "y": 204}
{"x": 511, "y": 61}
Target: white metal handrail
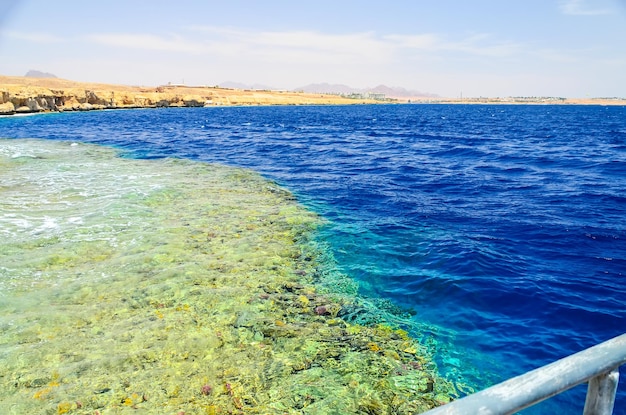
{"x": 598, "y": 365}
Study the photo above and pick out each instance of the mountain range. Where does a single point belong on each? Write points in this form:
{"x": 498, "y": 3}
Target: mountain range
{"x": 319, "y": 88}
{"x": 390, "y": 92}
{"x": 326, "y": 88}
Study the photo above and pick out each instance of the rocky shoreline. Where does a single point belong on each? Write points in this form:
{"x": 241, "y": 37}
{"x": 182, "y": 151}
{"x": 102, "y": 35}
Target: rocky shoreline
{"x": 61, "y": 100}
{"x": 24, "y": 95}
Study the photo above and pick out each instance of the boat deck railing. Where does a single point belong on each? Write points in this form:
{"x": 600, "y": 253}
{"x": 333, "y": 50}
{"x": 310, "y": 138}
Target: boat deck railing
{"x": 599, "y": 365}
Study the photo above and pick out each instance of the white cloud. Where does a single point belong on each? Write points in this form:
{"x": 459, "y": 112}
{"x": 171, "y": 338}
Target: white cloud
{"x": 35, "y": 37}
{"x": 289, "y": 46}
{"x": 583, "y": 8}
{"x": 427, "y": 41}
{"x": 370, "y": 47}
{"x": 174, "y": 43}
{"x": 483, "y": 45}
{"x": 306, "y": 47}
{"x": 476, "y": 45}
{"x": 296, "y": 46}
{"x": 349, "y": 46}
{"x": 557, "y": 56}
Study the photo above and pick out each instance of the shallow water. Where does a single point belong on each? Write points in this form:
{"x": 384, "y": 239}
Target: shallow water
{"x": 163, "y": 286}
{"x": 500, "y": 227}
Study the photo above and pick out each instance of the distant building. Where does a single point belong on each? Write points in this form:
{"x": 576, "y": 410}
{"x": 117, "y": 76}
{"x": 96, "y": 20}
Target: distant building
{"x": 375, "y": 95}
{"x": 369, "y": 95}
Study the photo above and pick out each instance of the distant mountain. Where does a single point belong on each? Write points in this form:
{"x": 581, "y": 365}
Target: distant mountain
{"x": 399, "y": 92}
{"x": 238, "y": 85}
{"x": 38, "y": 74}
{"x": 325, "y": 88}
{"x": 339, "y": 89}
{"x": 390, "y": 92}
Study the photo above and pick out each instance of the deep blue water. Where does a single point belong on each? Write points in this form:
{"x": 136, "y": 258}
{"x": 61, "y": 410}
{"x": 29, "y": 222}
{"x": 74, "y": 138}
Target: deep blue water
{"x": 501, "y": 227}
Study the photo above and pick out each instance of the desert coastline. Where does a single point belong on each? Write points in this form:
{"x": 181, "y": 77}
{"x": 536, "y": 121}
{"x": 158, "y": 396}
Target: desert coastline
{"x": 27, "y": 95}
{"x": 21, "y": 95}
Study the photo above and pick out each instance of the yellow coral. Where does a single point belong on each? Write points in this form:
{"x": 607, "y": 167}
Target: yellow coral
{"x": 353, "y": 329}
{"x": 184, "y": 307}
{"x": 404, "y": 335}
{"x": 64, "y": 407}
{"x": 373, "y": 347}
{"x": 410, "y": 350}
{"x": 384, "y": 330}
{"x": 304, "y": 300}
{"x": 42, "y": 394}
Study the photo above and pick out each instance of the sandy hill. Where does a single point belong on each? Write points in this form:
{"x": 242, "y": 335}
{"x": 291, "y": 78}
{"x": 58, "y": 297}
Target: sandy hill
{"x": 30, "y": 94}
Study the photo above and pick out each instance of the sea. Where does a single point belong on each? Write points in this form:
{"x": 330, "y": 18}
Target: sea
{"x": 499, "y": 230}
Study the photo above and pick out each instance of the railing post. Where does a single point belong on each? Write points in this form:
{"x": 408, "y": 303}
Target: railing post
{"x": 601, "y": 393}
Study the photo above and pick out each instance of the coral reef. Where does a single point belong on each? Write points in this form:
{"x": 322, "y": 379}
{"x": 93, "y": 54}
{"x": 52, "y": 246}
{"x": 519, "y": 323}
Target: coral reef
{"x": 173, "y": 287}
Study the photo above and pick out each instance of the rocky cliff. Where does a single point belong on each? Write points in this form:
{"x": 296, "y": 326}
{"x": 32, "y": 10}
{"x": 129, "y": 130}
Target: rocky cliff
{"x": 28, "y": 95}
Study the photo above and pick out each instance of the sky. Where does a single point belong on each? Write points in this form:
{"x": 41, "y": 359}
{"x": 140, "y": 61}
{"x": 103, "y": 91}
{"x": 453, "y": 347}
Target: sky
{"x": 452, "y": 48}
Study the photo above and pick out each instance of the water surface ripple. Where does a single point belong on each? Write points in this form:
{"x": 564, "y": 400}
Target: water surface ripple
{"x": 505, "y": 226}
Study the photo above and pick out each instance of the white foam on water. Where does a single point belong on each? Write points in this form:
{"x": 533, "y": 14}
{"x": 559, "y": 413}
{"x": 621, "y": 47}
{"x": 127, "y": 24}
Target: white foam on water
{"x": 48, "y": 224}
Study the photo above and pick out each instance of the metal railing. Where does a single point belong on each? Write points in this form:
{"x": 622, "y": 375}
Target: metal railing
{"x": 598, "y": 365}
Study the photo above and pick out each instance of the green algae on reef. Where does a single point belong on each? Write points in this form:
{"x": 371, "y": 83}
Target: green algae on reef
{"x": 170, "y": 286}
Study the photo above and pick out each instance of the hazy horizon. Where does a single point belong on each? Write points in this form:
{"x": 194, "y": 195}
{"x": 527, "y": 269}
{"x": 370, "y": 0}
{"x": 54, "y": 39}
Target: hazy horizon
{"x": 565, "y": 48}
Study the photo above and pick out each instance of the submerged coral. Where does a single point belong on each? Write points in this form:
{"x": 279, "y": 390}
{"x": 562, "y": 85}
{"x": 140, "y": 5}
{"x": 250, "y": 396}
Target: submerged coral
{"x": 179, "y": 287}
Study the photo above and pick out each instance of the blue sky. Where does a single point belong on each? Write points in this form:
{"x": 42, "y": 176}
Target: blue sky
{"x": 568, "y": 48}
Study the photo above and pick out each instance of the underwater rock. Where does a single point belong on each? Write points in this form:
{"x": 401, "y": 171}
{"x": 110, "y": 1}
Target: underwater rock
{"x": 356, "y": 314}
{"x": 206, "y": 390}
